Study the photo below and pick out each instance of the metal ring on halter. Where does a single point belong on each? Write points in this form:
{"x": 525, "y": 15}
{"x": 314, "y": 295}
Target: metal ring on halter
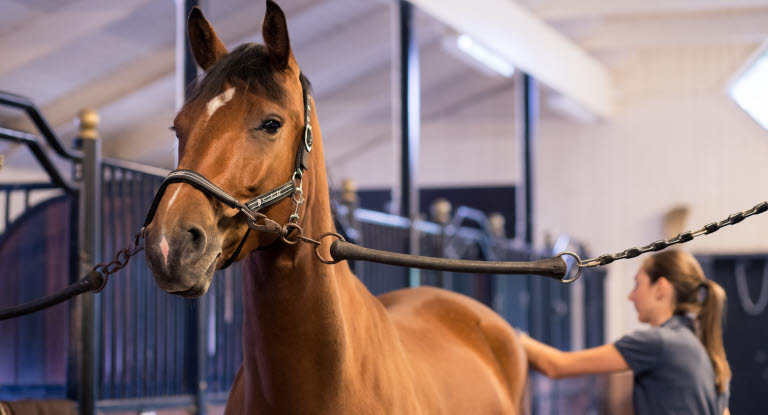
{"x": 287, "y": 231}
{"x": 317, "y": 248}
{"x": 577, "y": 265}
{"x": 297, "y": 176}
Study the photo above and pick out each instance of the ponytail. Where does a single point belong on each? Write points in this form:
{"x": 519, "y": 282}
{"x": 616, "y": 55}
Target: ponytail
{"x": 711, "y": 331}
{"x": 697, "y": 295}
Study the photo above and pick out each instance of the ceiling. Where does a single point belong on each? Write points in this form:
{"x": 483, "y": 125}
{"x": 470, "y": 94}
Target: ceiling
{"x": 118, "y": 57}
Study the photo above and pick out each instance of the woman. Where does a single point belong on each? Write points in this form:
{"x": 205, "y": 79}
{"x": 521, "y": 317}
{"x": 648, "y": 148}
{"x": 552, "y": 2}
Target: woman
{"x": 679, "y": 363}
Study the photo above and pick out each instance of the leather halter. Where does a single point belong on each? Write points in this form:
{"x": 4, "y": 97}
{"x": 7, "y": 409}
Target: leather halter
{"x": 251, "y": 208}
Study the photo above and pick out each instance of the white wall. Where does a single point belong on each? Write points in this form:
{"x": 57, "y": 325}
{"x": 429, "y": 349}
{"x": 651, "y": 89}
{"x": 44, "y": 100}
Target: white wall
{"x": 473, "y": 145}
{"x": 677, "y": 139}
{"x": 452, "y": 153}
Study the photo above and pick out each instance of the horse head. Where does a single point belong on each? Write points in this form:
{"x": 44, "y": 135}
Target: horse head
{"x": 240, "y": 129}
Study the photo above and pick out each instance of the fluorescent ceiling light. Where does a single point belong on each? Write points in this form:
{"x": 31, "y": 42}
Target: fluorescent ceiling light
{"x": 487, "y": 58}
{"x": 750, "y": 91}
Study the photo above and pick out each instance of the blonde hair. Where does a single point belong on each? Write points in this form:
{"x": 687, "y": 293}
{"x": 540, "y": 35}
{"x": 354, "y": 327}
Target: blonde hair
{"x": 695, "y": 294}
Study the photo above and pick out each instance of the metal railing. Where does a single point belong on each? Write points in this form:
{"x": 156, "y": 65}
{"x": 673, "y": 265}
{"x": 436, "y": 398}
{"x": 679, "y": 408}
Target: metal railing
{"x": 38, "y": 255}
{"x": 144, "y": 340}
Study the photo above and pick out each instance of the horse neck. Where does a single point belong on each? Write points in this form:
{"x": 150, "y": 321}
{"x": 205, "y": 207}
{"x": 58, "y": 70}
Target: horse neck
{"x": 297, "y": 310}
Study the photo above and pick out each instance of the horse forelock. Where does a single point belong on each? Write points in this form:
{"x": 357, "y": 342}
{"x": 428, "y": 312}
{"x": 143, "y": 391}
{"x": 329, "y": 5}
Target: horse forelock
{"x": 248, "y": 67}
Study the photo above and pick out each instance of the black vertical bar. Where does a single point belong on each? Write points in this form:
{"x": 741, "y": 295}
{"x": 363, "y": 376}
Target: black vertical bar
{"x": 113, "y": 305}
{"x": 127, "y": 315}
{"x": 128, "y": 299}
{"x": 7, "y": 209}
{"x": 107, "y": 347}
{"x": 409, "y": 110}
{"x": 190, "y": 67}
{"x": 528, "y": 113}
{"x": 528, "y": 105}
{"x": 74, "y": 274}
{"x": 90, "y": 334}
{"x": 410, "y": 119}
{"x": 531, "y": 117}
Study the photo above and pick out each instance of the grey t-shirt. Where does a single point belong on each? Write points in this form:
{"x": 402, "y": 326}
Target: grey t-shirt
{"x": 673, "y": 374}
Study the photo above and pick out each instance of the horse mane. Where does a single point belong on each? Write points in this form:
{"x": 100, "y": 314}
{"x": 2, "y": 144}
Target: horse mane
{"x": 247, "y": 66}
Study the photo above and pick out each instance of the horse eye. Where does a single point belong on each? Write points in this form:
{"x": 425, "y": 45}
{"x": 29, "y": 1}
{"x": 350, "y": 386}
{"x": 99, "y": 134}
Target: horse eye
{"x": 271, "y": 126}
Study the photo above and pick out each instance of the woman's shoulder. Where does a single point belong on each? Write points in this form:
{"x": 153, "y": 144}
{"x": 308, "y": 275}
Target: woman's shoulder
{"x": 678, "y": 331}
{"x": 641, "y": 349}
{"x": 646, "y": 336}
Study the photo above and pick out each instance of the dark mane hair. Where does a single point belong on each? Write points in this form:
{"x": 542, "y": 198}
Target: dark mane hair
{"x": 248, "y": 66}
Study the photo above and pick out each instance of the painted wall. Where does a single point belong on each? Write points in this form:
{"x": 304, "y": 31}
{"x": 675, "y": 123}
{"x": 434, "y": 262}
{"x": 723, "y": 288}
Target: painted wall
{"x": 677, "y": 139}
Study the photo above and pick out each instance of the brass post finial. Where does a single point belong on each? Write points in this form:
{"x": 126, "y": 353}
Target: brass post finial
{"x": 496, "y": 224}
{"x": 441, "y": 211}
{"x": 348, "y": 191}
{"x": 88, "y": 123}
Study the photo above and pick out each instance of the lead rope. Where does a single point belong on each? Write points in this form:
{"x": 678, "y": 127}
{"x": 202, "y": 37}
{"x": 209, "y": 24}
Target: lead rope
{"x": 665, "y": 243}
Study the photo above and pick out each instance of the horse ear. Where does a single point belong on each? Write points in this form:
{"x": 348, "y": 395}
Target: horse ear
{"x": 206, "y": 46}
{"x": 275, "y": 31}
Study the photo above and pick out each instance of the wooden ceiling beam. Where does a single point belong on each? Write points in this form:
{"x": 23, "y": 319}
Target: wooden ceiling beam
{"x": 532, "y": 46}
{"x": 33, "y": 39}
{"x": 587, "y": 9}
{"x": 677, "y": 30}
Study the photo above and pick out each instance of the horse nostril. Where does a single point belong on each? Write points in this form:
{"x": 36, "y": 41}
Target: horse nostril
{"x": 194, "y": 242}
{"x": 197, "y": 234}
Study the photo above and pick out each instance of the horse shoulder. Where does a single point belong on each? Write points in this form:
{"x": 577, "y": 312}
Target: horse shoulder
{"x": 448, "y": 334}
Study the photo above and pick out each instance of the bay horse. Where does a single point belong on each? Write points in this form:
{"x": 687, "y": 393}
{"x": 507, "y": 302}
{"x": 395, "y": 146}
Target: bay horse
{"x": 315, "y": 340}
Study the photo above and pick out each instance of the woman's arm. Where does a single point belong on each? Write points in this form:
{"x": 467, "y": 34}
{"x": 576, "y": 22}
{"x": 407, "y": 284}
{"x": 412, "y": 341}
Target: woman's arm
{"x": 556, "y": 364}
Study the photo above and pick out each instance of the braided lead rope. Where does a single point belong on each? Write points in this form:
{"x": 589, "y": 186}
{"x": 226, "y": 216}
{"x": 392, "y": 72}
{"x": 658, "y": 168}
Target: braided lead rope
{"x": 679, "y": 239}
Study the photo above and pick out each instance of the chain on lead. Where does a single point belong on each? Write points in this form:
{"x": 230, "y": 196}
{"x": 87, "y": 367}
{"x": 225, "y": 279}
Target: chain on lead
{"x": 679, "y": 239}
{"x": 121, "y": 260}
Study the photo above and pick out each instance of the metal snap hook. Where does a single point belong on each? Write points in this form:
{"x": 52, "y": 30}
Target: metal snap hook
{"x": 577, "y": 265}
{"x": 317, "y": 248}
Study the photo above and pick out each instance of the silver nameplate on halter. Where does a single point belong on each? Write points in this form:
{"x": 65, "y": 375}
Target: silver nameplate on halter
{"x": 277, "y": 194}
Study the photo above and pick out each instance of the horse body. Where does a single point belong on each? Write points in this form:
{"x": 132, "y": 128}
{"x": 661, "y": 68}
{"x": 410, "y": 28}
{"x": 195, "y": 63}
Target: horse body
{"x": 334, "y": 348}
{"x": 315, "y": 340}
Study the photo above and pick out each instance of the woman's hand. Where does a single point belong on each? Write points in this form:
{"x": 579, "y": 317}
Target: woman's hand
{"x": 557, "y": 364}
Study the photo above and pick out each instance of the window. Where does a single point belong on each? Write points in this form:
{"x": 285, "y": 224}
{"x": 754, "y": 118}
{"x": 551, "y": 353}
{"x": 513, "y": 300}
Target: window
{"x": 750, "y": 89}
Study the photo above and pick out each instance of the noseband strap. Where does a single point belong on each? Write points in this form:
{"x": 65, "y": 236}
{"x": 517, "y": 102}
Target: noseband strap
{"x": 293, "y": 188}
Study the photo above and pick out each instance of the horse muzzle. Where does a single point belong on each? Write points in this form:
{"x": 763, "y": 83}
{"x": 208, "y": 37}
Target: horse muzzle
{"x": 183, "y": 260}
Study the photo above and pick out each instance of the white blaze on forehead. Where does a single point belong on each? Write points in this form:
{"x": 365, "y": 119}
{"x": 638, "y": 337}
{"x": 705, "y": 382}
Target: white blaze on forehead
{"x": 220, "y": 101}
